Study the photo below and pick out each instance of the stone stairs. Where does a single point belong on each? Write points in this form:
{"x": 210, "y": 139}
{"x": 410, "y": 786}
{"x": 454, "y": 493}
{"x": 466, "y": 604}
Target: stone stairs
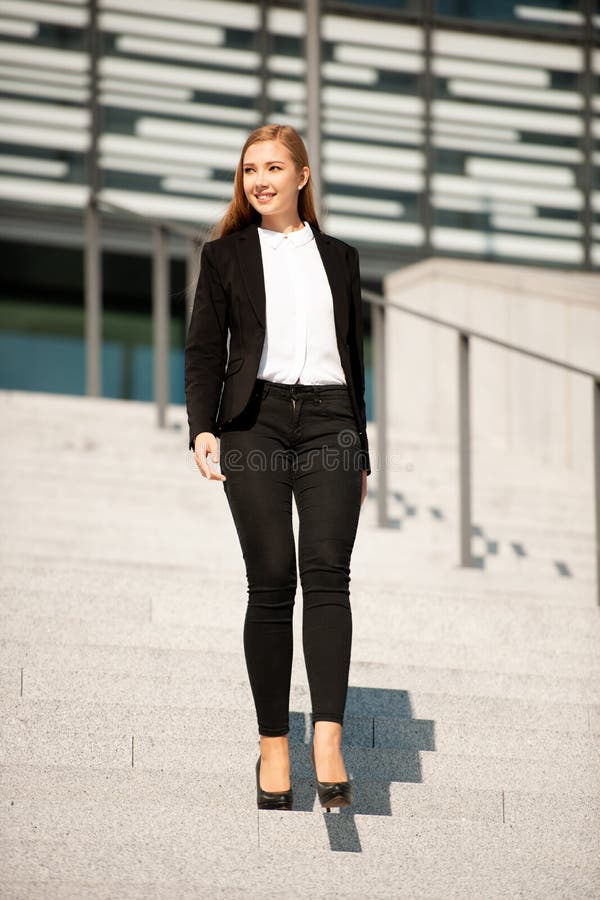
{"x": 472, "y": 729}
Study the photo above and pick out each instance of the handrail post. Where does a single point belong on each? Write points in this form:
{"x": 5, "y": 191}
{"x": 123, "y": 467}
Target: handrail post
{"x": 596, "y": 467}
{"x": 93, "y": 299}
{"x": 464, "y": 450}
{"x": 161, "y": 325}
{"x": 378, "y": 331}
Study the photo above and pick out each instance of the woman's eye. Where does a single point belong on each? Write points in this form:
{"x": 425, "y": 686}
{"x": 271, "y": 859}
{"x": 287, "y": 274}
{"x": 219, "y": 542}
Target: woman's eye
{"x": 270, "y": 167}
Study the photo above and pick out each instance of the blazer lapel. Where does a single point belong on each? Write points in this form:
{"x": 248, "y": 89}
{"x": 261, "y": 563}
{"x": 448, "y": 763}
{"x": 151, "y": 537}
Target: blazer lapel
{"x": 250, "y": 260}
{"x": 251, "y": 267}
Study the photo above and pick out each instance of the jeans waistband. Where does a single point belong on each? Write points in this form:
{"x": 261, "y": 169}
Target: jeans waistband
{"x": 296, "y": 390}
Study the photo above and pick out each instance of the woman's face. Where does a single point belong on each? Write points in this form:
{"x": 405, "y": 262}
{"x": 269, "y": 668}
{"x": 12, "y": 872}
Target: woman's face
{"x": 269, "y": 170}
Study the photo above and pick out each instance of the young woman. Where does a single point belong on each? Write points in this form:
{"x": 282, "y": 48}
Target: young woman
{"x": 287, "y": 402}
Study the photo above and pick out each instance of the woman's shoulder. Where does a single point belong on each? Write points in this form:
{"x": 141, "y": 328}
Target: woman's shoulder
{"x": 226, "y": 239}
{"x": 217, "y": 250}
{"x": 342, "y": 244}
{"x": 349, "y": 251}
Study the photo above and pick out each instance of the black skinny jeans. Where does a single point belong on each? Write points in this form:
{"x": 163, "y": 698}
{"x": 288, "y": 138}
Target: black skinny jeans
{"x": 295, "y": 440}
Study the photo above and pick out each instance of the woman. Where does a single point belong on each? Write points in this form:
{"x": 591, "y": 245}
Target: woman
{"x": 292, "y": 423}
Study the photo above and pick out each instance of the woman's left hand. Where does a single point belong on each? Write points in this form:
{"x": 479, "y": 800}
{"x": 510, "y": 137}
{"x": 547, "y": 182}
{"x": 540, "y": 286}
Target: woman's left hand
{"x": 364, "y": 487}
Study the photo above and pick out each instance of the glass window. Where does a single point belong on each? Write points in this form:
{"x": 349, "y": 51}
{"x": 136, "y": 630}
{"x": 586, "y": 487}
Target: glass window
{"x": 507, "y": 131}
{"x": 372, "y": 113}
{"x": 44, "y": 105}
{"x": 545, "y": 14}
{"x": 370, "y": 6}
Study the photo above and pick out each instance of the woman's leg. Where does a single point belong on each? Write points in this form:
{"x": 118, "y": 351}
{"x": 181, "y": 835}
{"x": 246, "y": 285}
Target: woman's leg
{"x": 327, "y": 489}
{"x": 328, "y": 510}
{"x": 261, "y": 506}
{"x": 259, "y": 493}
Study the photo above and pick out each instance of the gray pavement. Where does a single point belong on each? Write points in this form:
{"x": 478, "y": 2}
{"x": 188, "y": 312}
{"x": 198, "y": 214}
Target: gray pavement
{"x": 129, "y": 737}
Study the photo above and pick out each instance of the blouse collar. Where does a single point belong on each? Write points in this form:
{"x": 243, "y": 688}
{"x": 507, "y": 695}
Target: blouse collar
{"x": 296, "y": 238}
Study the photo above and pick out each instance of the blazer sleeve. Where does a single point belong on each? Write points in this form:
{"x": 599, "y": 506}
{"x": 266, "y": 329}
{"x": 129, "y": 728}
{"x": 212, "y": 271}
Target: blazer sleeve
{"x": 206, "y": 349}
{"x": 357, "y": 356}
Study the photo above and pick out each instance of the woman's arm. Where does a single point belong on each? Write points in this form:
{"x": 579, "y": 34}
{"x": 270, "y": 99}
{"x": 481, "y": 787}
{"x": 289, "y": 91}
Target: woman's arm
{"x": 357, "y": 358}
{"x": 206, "y": 349}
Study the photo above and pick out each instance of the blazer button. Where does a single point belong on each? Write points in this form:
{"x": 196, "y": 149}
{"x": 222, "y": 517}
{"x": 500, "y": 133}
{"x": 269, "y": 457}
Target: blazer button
{"x": 346, "y": 345}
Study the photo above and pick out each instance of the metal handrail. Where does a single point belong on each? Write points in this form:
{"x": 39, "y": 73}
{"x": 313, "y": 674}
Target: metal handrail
{"x": 388, "y": 302}
{"x": 175, "y": 227}
{"x": 378, "y": 304}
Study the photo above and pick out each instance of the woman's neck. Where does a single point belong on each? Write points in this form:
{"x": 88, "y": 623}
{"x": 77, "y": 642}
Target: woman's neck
{"x": 285, "y": 229}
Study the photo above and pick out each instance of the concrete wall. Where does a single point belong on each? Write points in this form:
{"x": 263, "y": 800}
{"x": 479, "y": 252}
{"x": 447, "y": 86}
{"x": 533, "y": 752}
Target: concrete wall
{"x": 516, "y": 402}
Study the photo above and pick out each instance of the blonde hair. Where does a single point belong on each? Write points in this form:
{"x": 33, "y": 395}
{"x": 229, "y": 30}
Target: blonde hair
{"x": 240, "y": 212}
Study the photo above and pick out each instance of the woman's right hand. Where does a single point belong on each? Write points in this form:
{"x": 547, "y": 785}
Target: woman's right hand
{"x": 205, "y": 443}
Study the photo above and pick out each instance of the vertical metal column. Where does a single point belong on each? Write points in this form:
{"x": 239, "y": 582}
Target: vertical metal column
{"x": 464, "y": 449}
{"x": 587, "y": 139}
{"x": 161, "y": 320}
{"x": 427, "y": 98}
{"x": 263, "y": 69}
{"x": 596, "y": 465}
{"x": 312, "y": 55}
{"x": 378, "y": 331}
{"x": 92, "y": 262}
{"x": 92, "y": 250}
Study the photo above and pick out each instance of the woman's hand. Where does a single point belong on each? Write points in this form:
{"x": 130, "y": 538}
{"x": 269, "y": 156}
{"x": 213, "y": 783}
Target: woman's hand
{"x": 363, "y": 495}
{"x": 205, "y": 443}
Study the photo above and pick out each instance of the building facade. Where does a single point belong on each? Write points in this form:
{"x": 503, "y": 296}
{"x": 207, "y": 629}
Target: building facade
{"x": 457, "y": 128}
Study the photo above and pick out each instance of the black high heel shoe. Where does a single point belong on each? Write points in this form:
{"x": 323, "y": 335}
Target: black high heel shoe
{"x": 272, "y": 799}
{"x": 332, "y": 793}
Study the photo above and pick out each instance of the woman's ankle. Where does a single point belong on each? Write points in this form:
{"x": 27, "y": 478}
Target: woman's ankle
{"x": 274, "y": 746}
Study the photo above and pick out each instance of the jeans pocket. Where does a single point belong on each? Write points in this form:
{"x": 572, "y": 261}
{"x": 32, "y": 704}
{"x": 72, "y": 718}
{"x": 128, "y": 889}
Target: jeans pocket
{"x": 337, "y": 404}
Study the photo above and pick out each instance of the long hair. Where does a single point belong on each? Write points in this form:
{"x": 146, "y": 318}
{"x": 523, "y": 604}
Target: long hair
{"x": 240, "y": 212}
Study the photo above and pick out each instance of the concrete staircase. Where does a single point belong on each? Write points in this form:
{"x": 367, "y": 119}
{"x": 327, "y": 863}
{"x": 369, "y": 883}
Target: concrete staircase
{"x": 128, "y": 731}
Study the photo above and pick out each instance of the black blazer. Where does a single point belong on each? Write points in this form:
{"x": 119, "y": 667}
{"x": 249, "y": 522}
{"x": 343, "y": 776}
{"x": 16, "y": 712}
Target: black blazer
{"x": 230, "y": 297}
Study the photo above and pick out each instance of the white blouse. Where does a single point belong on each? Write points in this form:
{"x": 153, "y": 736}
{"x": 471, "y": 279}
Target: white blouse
{"x": 300, "y": 341}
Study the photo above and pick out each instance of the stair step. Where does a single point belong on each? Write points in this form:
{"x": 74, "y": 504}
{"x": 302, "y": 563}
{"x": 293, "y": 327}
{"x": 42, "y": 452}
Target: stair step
{"x": 94, "y": 745}
{"x": 507, "y": 659}
{"x": 361, "y": 700}
{"x": 465, "y": 854}
{"x": 57, "y": 719}
{"x": 210, "y": 669}
{"x": 53, "y": 799}
{"x": 407, "y": 616}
